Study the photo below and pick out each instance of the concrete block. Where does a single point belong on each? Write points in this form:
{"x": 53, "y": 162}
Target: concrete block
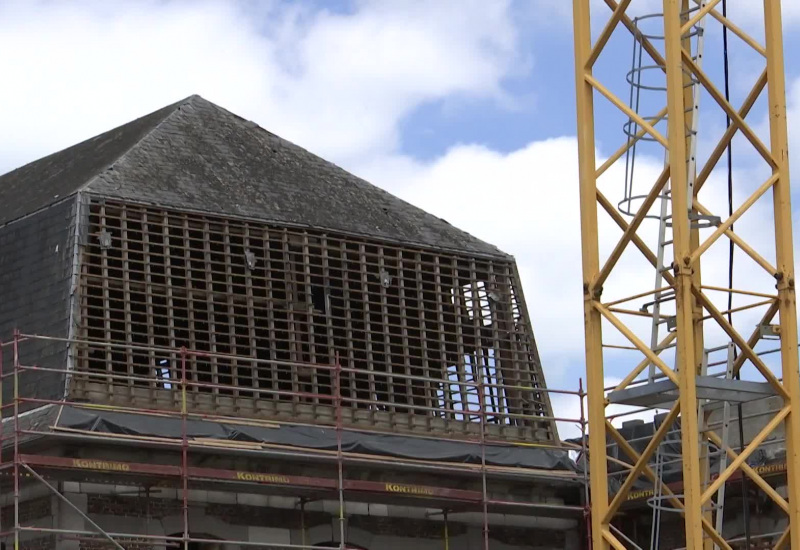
{"x": 198, "y": 495}
{"x": 417, "y": 513}
{"x": 269, "y": 534}
{"x": 320, "y": 533}
{"x": 381, "y": 510}
{"x": 331, "y": 506}
{"x": 282, "y": 502}
{"x": 166, "y": 493}
{"x": 252, "y": 500}
{"x": 314, "y": 506}
{"x": 222, "y": 497}
{"x": 68, "y": 518}
{"x": 357, "y": 508}
{"x": 572, "y": 540}
{"x": 398, "y": 511}
{"x": 101, "y": 489}
{"x": 71, "y": 487}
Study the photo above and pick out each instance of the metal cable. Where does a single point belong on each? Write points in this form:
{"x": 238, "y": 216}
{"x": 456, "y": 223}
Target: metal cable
{"x": 729, "y": 155}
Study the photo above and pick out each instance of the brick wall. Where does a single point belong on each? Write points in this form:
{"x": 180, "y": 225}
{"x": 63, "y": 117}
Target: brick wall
{"x": 405, "y": 527}
{"x": 233, "y": 514}
{"x": 29, "y": 511}
{"x": 128, "y": 544}
{"x": 528, "y": 538}
{"x": 39, "y": 543}
{"x": 115, "y": 505}
{"x": 258, "y": 516}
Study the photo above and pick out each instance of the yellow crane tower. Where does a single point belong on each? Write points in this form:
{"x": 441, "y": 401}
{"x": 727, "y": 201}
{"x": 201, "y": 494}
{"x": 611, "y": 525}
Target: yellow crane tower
{"x": 694, "y": 226}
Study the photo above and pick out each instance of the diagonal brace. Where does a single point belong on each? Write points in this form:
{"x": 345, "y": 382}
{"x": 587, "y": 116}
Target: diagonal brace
{"x": 608, "y": 30}
{"x": 724, "y": 226}
{"x": 635, "y": 239}
{"x": 784, "y": 538}
{"x": 71, "y": 505}
{"x": 646, "y": 44}
{"x": 641, "y": 462}
{"x": 728, "y": 108}
{"x": 613, "y": 540}
{"x": 746, "y": 38}
{"x": 633, "y": 226}
{"x": 725, "y": 141}
{"x": 746, "y": 452}
{"x": 740, "y": 342}
{"x": 631, "y": 142}
{"x": 645, "y": 362}
{"x": 738, "y": 241}
{"x": 750, "y": 472}
{"x": 631, "y": 452}
{"x": 630, "y": 113}
{"x": 755, "y": 336}
{"x": 702, "y": 12}
{"x": 641, "y": 346}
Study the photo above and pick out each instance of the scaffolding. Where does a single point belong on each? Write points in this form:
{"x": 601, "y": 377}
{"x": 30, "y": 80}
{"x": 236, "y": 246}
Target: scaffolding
{"x": 21, "y": 466}
{"x": 413, "y": 328}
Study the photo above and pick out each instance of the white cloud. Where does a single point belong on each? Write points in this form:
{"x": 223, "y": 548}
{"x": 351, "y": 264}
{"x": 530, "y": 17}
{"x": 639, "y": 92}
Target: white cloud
{"x": 568, "y": 407}
{"x": 526, "y": 202}
{"x": 750, "y": 11}
{"x": 336, "y": 83}
{"x": 793, "y": 117}
{"x": 375, "y": 67}
{"x": 339, "y": 84}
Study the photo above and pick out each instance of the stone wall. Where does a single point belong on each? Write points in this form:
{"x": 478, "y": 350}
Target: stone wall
{"x": 277, "y": 520}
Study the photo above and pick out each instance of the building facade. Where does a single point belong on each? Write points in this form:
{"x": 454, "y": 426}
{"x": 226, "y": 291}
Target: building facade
{"x": 213, "y": 337}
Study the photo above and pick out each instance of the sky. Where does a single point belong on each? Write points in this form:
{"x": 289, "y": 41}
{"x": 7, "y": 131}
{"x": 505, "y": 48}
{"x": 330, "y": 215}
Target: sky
{"x": 465, "y": 108}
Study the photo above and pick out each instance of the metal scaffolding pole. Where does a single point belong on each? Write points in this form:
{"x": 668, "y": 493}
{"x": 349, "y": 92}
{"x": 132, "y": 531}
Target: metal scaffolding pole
{"x": 183, "y": 473}
{"x": 484, "y": 484}
{"x": 339, "y": 455}
{"x": 2, "y": 416}
{"x": 184, "y": 453}
{"x": 16, "y": 439}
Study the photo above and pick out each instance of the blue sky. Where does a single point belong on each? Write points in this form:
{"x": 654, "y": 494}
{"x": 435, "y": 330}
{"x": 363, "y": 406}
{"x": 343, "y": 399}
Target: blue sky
{"x": 463, "y": 107}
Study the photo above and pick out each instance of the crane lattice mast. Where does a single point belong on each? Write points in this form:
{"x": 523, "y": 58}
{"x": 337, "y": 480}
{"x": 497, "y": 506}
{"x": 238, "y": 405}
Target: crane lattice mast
{"x": 679, "y": 382}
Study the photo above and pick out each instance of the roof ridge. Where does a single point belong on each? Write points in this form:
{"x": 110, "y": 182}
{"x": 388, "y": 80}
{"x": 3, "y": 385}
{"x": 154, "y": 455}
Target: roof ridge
{"x": 173, "y": 108}
{"x": 197, "y": 155}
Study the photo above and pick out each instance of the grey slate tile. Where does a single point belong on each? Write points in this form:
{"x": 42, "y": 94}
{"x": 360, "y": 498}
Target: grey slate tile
{"x": 196, "y": 155}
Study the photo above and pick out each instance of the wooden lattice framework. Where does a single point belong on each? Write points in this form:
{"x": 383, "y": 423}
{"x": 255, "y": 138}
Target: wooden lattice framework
{"x": 427, "y": 340}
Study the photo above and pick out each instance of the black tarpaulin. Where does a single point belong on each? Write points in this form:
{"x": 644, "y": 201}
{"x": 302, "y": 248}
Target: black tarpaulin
{"x": 319, "y": 438}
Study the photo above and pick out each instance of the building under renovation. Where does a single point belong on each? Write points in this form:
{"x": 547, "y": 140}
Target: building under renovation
{"x": 213, "y": 338}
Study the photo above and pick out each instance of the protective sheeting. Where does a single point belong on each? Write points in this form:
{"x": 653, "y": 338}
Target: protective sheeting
{"x": 318, "y": 438}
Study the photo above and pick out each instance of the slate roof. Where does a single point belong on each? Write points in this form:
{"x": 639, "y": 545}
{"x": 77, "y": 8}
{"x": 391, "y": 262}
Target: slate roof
{"x": 195, "y": 155}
